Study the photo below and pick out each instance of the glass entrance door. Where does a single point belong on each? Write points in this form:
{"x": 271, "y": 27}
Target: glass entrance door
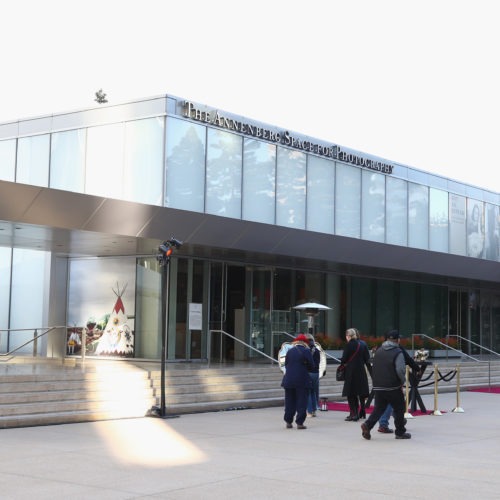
{"x": 458, "y": 317}
{"x": 227, "y": 311}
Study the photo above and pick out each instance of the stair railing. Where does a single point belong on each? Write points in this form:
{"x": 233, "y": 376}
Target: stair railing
{"x": 462, "y": 354}
{"x": 471, "y": 342}
{"x": 222, "y": 333}
{"x": 6, "y": 356}
{"x": 442, "y": 344}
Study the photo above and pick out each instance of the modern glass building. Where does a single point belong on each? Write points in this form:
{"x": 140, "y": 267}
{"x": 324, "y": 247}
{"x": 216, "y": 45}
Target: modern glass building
{"x": 269, "y": 219}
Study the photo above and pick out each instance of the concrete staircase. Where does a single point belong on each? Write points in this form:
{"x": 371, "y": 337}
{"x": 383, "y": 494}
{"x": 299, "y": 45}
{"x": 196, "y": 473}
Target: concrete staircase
{"x": 53, "y": 392}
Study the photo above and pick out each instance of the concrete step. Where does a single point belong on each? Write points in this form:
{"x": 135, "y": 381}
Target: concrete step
{"x": 54, "y": 393}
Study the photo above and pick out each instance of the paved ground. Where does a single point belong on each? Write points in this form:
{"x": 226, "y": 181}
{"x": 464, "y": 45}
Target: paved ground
{"x": 248, "y": 454}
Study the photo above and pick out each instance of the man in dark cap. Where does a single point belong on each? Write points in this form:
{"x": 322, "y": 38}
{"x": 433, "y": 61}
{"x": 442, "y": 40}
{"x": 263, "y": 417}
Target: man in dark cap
{"x": 383, "y": 423}
{"x": 388, "y": 376}
{"x": 297, "y": 382}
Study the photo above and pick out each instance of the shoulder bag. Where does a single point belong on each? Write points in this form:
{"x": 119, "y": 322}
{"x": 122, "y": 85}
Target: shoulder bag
{"x": 340, "y": 375}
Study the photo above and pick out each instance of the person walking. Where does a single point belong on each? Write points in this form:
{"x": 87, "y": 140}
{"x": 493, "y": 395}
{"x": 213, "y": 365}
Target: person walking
{"x": 363, "y": 397}
{"x": 388, "y": 373}
{"x": 355, "y": 358}
{"x": 297, "y": 382}
{"x": 383, "y": 423}
{"x": 313, "y": 398}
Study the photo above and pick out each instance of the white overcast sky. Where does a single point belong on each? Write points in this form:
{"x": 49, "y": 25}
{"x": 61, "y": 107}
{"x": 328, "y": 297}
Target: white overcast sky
{"x": 415, "y": 82}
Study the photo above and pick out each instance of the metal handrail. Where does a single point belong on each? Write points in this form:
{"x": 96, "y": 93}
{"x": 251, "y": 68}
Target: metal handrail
{"x": 475, "y": 344}
{"x": 446, "y": 346}
{"x": 34, "y": 340}
{"x": 209, "y": 350}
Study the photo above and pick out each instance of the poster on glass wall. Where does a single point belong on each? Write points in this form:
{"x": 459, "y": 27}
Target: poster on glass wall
{"x": 475, "y": 228}
{"x": 492, "y": 233}
{"x": 101, "y": 305}
{"x": 457, "y": 224}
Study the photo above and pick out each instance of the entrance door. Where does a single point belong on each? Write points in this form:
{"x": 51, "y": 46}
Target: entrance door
{"x": 227, "y": 311}
{"x": 458, "y": 317}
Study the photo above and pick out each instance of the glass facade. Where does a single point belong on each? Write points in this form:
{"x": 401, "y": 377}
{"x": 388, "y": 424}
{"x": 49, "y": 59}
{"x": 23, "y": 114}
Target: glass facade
{"x": 204, "y": 169}
{"x": 175, "y": 162}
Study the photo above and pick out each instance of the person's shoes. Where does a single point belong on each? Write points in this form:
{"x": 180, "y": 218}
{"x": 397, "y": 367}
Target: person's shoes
{"x": 385, "y": 430}
{"x": 313, "y": 414}
{"x": 406, "y": 435}
{"x": 348, "y": 418}
{"x": 289, "y": 426}
{"x": 362, "y": 414}
{"x": 365, "y": 432}
{"x": 309, "y": 414}
{"x": 301, "y": 426}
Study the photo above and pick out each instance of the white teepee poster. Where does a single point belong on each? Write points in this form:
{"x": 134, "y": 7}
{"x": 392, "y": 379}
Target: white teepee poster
{"x": 117, "y": 337}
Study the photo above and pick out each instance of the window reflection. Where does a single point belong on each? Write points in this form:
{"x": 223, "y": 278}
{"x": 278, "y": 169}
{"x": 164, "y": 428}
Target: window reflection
{"x": 373, "y": 206}
{"x": 144, "y": 153}
{"x": 259, "y": 160}
{"x": 67, "y": 160}
{"x": 224, "y": 167}
{"x": 291, "y": 188}
{"x": 33, "y": 160}
{"x": 348, "y": 205}
{"x": 438, "y": 220}
{"x": 8, "y": 160}
{"x": 185, "y": 176}
{"x": 320, "y": 194}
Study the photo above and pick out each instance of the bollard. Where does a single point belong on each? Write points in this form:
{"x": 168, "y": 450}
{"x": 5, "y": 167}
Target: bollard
{"x": 407, "y": 393}
{"x": 324, "y": 404}
{"x": 436, "y": 378}
{"x": 457, "y": 408}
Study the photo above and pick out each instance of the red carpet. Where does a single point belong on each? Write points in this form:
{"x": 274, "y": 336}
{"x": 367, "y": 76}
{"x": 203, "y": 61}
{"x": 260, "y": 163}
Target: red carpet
{"x": 345, "y": 407}
{"x": 492, "y": 390}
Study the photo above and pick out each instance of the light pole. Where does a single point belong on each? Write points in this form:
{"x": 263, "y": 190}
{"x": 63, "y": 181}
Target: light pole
{"x": 165, "y": 250}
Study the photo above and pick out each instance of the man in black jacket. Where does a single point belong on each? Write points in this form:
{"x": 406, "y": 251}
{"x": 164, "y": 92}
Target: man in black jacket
{"x": 297, "y": 382}
{"x": 383, "y": 422}
{"x": 388, "y": 375}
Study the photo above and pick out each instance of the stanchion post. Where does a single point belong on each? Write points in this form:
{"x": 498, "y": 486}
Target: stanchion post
{"x": 457, "y": 408}
{"x": 407, "y": 393}
{"x": 436, "y": 378}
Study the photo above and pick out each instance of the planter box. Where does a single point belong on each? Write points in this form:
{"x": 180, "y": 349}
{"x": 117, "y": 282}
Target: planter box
{"x": 444, "y": 353}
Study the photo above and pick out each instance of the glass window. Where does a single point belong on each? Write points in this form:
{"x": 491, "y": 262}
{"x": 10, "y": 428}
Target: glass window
{"x": 8, "y": 160}
{"x": 101, "y": 297}
{"x": 362, "y": 303}
{"x": 385, "y": 306}
{"x": 291, "y": 188}
{"x": 320, "y": 194}
{"x": 185, "y": 181}
{"x": 457, "y": 224}
{"x": 492, "y": 233}
{"x": 348, "y": 201}
{"x": 67, "y": 160}
{"x": 438, "y": 220}
{"x": 148, "y": 308}
{"x": 143, "y": 173}
{"x": 408, "y": 307}
{"x": 104, "y": 172}
{"x": 418, "y": 216}
{"x": 33, "y": 160}
{"x": 259, "y": 180}
{"x": 475, "y": 228}
{"x": 373, "y": 206}
{"x": 5, "y": 268}
{"x": 396, "y": 215}
{"x": 224, "y": 166}
{"x": 29, "y": 268}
